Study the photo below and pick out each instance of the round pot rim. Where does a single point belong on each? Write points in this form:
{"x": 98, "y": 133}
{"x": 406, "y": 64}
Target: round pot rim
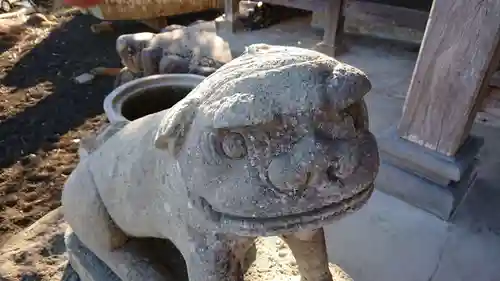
{"x": 113, "y": 102}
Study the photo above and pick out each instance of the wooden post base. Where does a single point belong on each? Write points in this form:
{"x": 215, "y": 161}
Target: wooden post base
{"x": 424, "y": 178}
{"x": 330, "y": 50}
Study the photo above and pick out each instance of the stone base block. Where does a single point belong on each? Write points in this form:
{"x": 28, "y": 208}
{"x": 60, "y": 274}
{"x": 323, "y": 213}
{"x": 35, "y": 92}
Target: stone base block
{"x": 439, "y": 200}
{"x": 85, "y": 263}
{"x": 426, "y": 163}
{"x": 425, "y": 178}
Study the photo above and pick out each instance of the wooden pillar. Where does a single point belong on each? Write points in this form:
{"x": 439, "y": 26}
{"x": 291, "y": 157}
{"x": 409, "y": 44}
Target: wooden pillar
{"x": 452, "y": 67}
{"x": 231, "y": 11}
{"x": 452, "y": 71}
{"x": 334, "y": 25}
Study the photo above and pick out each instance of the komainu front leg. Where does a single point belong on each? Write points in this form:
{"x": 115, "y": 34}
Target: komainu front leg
{"x": 309, "y": 250}
{"x": 95, "y": 231}
{"x": 173, "y": 64}
{"x": 125, "y": 76}
{"x": 86, "y": 213}
{"x": 150, "y": 60}
{"x": 217, "y": 257}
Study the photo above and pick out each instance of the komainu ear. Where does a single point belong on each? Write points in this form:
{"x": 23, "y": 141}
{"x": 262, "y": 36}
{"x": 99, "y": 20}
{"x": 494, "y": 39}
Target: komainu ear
{"x": 174, "y": 126}
{"x": 346, "y": 86}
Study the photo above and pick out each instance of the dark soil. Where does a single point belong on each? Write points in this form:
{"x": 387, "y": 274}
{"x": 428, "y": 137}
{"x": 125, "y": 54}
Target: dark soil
{"x": 44, "y": 113}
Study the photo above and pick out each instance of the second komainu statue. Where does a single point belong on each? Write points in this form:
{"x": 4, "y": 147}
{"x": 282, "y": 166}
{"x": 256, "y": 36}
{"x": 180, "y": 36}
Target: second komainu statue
{"x": 275, "y": 142}
{"x": 195, "y": 49}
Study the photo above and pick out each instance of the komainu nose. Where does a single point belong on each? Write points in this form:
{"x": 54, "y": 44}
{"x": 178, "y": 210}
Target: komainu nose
{"x": 307, "y": 164}
{"x": 340, "y": 170}
{"x": 287, "y": 177}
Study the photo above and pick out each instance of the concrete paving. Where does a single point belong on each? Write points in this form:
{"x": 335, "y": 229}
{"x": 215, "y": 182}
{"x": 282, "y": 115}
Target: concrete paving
{"x": 410, "y": 243}
{"x": 390, "y": 240}
{"x": 387, "y": 240}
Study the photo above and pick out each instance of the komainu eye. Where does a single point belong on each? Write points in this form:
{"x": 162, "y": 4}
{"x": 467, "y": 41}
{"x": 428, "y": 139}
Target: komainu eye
{"x": 233, "y": 146}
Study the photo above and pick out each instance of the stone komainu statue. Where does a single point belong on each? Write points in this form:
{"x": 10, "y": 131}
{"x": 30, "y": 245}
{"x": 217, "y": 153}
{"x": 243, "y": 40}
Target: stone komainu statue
{"x": 195, "y": 49}
{"x": 276, "y": 142}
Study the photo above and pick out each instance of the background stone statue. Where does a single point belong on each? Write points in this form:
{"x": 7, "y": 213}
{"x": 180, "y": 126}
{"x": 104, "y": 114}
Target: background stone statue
{"x": 195, "y": 49}
{"x": 276, "y": 142}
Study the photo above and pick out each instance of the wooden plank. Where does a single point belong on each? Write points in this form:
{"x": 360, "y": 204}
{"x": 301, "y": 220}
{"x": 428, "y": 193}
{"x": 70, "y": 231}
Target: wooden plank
{"x": 333, "y": 27}
{"x": 231, "y": 10}
{"x": 454, "y": 62}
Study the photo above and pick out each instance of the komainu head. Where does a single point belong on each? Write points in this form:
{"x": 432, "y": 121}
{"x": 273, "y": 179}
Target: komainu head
{"x": 274, "y": 141}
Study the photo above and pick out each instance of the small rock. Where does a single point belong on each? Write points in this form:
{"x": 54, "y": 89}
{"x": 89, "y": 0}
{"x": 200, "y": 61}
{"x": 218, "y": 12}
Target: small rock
{"x": 10, "y": 200}
{"x": 84, "y": 78}
{"x": 104, "y": 26}
{"x": 30, "y": 159}
{"x": 38, "y": 177}
{"x": 67, "y": 170}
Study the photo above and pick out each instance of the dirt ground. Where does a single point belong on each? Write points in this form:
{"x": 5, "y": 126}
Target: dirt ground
{"x": 44, "y": 113}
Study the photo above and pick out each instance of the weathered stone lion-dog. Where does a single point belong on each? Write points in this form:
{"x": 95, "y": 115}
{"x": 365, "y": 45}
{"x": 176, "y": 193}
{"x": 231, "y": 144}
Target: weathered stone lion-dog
{"x": 195, "y": 49}
{"x": 276, "y": 142}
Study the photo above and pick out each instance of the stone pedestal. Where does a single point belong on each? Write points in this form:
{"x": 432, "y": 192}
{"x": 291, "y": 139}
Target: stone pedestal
{"x": 432, "y": 147}
{"x": 425, "y": 178}
{"x": 269, "y": 260}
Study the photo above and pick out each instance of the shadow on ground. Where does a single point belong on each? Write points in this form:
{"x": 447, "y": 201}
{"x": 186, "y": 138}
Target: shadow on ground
{"x": 42, "y": 82}
{"x": 43, "y": 113}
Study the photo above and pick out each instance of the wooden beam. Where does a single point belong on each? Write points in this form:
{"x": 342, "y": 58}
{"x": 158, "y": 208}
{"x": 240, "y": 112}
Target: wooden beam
{"x": 333, "y": 27}
{"x": 231, "y": 10}
{"x": 454, "y": 62}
